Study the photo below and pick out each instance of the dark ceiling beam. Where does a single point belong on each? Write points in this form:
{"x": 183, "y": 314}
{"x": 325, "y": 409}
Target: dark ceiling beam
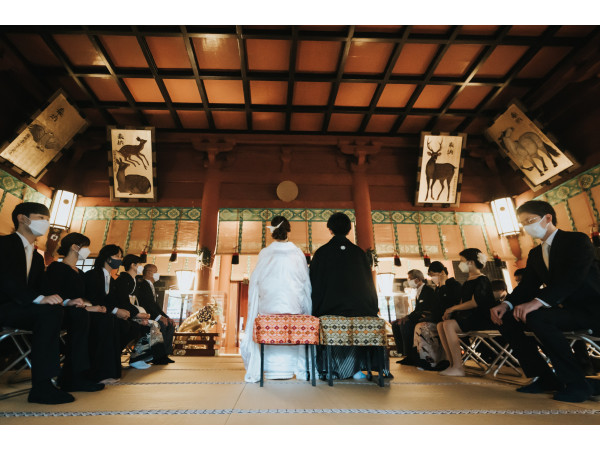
{"x": 471, "y": 72}
{"x": 386, "y": 77}
{"x": 110, "y": 66}
{"x": 187, "y": 40}
{"x": 244, "y": 69}
{"x": 291, "y": 78}
{"x": 340, "y": 72}
{"x": 59, "y": 54}
{"x": 428, "y": 75}
{"x": 278, "y": 76}
{"x": 568, "y": 70}
{"x": 230, "y": 31}
{"x": 159, "y": 81}
{"x": 512, "y": 74}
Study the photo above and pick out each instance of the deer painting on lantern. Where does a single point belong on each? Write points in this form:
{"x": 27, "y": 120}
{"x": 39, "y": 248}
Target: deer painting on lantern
{"x": 132, "y": 172}
{"x": 529, "y": 149}
{"x": 439, "y": 174}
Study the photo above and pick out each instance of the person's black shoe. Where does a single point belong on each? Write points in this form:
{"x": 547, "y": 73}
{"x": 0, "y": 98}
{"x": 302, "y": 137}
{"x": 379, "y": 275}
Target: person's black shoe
{"x": 408, "y": 362}
{"x": 161, "y": 361}
{"x": 442, "y": 365}
{"x": 169, "y": 360}
{"x": 594, "y": 386}
{"x": 82, "y": 385}
{"x": 574, "y": 393}
{"x": 540, "y": 386}
{"x": 47, "y": 394}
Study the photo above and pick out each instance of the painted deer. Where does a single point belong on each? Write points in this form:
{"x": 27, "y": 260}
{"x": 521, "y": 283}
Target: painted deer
{"x": 437, "y": 172}
{"x": 127, "y": 151}
{"x": 529, "y": 147}
{"x": 131, "y": 184}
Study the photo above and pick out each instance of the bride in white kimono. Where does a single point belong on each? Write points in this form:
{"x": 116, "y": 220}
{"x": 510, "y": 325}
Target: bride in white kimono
{"x": 280, "y": 284}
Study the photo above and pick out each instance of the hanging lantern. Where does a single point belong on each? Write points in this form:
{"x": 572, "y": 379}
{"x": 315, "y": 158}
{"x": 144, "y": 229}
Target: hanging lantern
{"x": 505, "y": 217}
{"x": 307, "y": 256}
{"x": 173, "y": 257}
{"x": 595, "y": 237}
{"x": 235, "y": 259}
{"x": 144, "y": 256}
{"x": 397, "y": 262}
{"x": 427, "y": 260}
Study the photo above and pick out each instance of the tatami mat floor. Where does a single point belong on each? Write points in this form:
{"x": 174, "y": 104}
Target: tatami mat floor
{"x": 211, "y": 391}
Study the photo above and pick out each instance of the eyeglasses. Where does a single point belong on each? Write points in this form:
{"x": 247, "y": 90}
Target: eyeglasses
{"x": 531, "y": 220}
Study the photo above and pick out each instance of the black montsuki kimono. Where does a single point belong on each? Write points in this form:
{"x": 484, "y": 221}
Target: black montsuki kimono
{"x": 342, "y": 285}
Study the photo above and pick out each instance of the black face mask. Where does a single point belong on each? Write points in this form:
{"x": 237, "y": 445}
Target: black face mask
{"x": 114, "y": 263}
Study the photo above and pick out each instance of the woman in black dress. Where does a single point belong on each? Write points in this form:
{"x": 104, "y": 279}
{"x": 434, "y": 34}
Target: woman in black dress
{"x": 66, "y": 280}
{"x": 473, "y": 313}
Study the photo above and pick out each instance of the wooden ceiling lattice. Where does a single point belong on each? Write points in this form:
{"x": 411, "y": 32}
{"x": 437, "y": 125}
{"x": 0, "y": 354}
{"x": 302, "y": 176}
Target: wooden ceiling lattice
{"x": 360, "y": 80}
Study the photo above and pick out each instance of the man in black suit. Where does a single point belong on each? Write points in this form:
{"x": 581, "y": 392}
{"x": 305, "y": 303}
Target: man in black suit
{"x": 22, "y": 305}
{"x": 568, "y": 299}
{"x": 427, "y": 309}
{"x": 146, "y": 295}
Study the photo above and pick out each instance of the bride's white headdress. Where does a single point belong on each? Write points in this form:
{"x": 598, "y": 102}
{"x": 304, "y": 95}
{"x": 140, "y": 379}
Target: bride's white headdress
{"x": 482, "y": 258}
{"x": 273, "y": 228}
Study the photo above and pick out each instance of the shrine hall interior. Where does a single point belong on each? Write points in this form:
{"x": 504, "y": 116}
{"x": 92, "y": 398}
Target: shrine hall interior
{"x": 338, "y": 111}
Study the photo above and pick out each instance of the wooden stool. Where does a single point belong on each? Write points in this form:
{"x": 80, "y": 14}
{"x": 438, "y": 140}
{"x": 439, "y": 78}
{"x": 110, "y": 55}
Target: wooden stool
{"x": 287, "y": 329}
{"x": 354, "y": 331}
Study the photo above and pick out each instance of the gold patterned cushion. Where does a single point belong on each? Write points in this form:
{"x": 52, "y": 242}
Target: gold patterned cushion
{"x": 352, "y": 331}
{"x": 286, "y": 329}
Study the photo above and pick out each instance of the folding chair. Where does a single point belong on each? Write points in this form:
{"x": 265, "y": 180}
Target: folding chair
{"x": 18, "y": 337}
{"x": 470, "y": 343}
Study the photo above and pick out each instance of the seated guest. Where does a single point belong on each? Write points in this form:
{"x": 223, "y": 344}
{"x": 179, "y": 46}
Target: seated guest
{"x": 68, "y": 281}
{"x": 427, "y": 309}
{"x": 122, "y": 293}
{"x": 560, "y": 291}
{"x": 22, "y": 305}
{"x": 519, "y": 275}
{"x": 471, "y": 314}
{"x": 279, "y": 285}
{"x": 427, "y": 340}
{"x": 146, "y": 296}
{"x": 499, "y": 289}
{"x": 342, "y": 285}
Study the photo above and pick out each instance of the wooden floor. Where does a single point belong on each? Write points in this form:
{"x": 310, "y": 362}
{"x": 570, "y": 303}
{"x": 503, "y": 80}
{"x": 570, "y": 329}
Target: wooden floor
{"x": 211, "y": 391}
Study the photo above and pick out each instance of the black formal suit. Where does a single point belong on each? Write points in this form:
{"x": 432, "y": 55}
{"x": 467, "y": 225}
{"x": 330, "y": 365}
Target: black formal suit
{"x": 571, "y": 286}
{"x": 147, "y": 300}
{"x": 95, "y": 290}
{"x": 17, "y": 310}
{"x": 449, "y": 294}
{"x": 342, "y": 282}
{"x": 427, "y": 309}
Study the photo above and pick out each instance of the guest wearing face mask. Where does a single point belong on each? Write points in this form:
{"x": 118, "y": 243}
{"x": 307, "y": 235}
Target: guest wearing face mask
{"x": 22, "y": 304}
{"x": 471, "y": 314}
{"x": 122, "y": 293}
{"x": 568, "y": 300}
{"x": 146, "y": 295}
{"x": 65, "y": 279}
{"x": 427, "y": 308}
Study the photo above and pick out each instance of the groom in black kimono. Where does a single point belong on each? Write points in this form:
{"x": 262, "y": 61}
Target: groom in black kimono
{"x": 342, "y": 285}
{"x": 568, "y": 300}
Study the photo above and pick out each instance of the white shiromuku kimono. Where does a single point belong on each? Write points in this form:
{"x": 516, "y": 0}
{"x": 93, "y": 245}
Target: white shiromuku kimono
{"x": 280, "y": 284}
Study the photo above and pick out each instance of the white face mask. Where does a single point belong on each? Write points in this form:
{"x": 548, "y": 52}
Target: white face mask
{"x": 140, "y": 269}
{"x": 83, "y": 253}
{"x": 535, "y": 230}
{"x": 156, "y": 276}
{"x": 39, "y": 227}
{"x": 463, "y": 266}
{"x": 412, "y": 284}
{"x": 435, "y": 279}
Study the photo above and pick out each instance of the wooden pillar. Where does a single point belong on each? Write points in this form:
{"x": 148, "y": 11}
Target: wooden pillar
{"x": 230, "y": 306}
{"x": 362, "y": 208}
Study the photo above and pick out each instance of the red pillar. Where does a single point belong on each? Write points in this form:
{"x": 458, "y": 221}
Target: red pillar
{"x": 362, "y": 208}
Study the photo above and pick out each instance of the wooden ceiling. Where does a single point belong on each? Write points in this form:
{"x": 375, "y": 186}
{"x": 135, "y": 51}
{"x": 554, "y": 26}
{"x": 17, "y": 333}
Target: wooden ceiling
{"x": 318, "y": 80}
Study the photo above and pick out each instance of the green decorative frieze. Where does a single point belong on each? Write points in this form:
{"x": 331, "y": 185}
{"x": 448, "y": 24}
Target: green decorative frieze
{"x": 432, "y": 218}
{"x": 136, "y": 213}
{"x": 293, "y": 215}
{"x": 16, "y": 187}
{"x": 573, "y": 187}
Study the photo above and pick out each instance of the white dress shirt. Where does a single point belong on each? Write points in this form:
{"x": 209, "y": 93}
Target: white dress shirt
{"x": 546, "y": 257}
{"x": 154, "y": 294}
{"x": 29, "y": 249}
{"x": 107, "y": 286}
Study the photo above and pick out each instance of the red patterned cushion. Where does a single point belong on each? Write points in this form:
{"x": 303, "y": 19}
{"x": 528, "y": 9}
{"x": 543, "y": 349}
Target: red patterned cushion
{"x": 286, "y": 329}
